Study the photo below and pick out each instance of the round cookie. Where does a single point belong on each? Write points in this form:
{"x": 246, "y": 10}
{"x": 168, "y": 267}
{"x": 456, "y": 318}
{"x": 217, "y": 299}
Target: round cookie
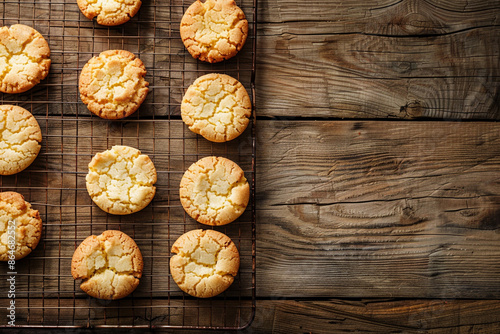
{"x": 20, "y": 139}
{"x": 121, "y": 180}
{"x": 110, "y": 265}
{"x": 112, "y": 85}
{"x": 214, "y": 30}
{"x": 205, "y": 262}
{"x": 24, "y": 58}
{"x": 214, "y": 191}
{"x": 28, "y": 224}
{"x": 217, "y": 107}
{"x": 109, "y": 12}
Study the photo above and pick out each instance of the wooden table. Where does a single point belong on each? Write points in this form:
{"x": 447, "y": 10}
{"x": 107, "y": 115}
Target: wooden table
{"x": 378, "y": 166}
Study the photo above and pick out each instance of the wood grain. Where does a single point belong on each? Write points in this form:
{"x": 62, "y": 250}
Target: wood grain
{"x": 378, "y": 209}
{"x": 402, "y": 59}
{"x": 377, "y": 316}
{"x": 152, "y": 35}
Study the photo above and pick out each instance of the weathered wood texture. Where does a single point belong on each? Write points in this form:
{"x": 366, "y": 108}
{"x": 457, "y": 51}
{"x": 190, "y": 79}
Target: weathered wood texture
{"x": 378, "y": 209}
{"x": 378, "y": 59}
{"x": 377, "y": 316}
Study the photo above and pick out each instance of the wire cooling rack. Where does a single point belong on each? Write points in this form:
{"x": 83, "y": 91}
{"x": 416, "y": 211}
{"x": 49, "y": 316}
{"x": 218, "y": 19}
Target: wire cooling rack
{"x": 45, "y": 293}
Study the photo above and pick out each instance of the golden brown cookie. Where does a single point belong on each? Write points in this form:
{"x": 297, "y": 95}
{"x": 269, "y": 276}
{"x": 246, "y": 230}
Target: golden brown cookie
{"x": 24, "y": 58}
{"x": 14, "y": 210}
{"x": 205, "y": 263}
{"x": 214, "y": 191}
{"x": 214, "y": 30}
{"x": 112, "y": 85}
{"x": 217, "y": 107}
{"x": 20, "y": 139}
{"x": 109, "y": 12}
{"x": 121, "y": 180}
{"x": 110, "y": 265}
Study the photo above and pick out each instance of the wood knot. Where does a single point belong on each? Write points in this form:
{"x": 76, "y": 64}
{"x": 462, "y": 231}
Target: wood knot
{"x": 408, "y": 216}
{"x": 411, "y": 110}
{"x": 416, "y": 24}
{"x": 282, "y": 47}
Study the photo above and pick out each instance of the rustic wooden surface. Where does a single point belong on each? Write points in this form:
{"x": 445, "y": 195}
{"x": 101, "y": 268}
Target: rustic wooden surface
{"x": 377, "y": 209}
{"x": 379, "y": 59}
{"x": 387, "y": 222}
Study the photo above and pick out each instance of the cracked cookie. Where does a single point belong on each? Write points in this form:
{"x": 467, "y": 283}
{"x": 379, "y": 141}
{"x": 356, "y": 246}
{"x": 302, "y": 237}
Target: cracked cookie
{"x": 109, "y": 12}
{"x": 214, "y": 30}
{"x": 28, "y": 225}
{"x": 217, "y": 107}
{"x": 110, "y": 265}
{"x": 214, "y": 191}
{"x": 205, "y": 263}
{"x": 112, "y": 85}
{"x": 121, "y": 180}
{"x": 24, "y": 58}
{"x": 20, "y": 139}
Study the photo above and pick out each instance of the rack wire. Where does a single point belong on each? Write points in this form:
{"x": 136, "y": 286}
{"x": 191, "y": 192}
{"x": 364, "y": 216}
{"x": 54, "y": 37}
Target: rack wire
{"x": 46, "y": 294}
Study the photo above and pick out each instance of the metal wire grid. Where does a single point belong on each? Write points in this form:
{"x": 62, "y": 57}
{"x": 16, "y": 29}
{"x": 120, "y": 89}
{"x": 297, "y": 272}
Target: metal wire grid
{"x": 46, "y": 294}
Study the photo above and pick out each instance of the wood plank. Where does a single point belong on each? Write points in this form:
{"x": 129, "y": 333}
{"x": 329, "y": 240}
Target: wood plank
{"x": 355, "y": 75}
{"x": 378, "y": 209}
{"x": 377, "y": 16}
{"x": 377, "y": 316}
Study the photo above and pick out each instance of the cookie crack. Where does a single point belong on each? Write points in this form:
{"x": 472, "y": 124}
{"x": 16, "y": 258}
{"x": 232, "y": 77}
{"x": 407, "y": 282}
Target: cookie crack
{"x": 21, "y": 154}
{"x": 227, "y": 194}
{"x": 121, "y": 180}
{"x": 10, "y": 55}
{"x": 113, "y": 84}
{"x": 188, "y": 256}
{"x": 108, "y": 88}
{"x": 22, "y": 219}
{"x": 216, "y": 110}
{"x": 227, "y": 119}
{"x": 106, "y": 266}
{"x": 133, "y": 177}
